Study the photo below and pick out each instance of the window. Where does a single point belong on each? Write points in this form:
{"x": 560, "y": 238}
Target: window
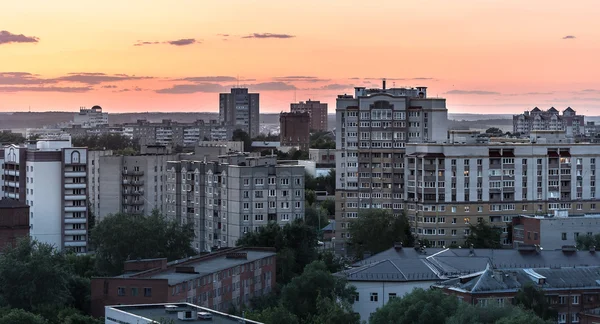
{"x": 564, "y": 236}
{"x": 147, "y": 292}
{"x": 258, "y": 217}
{"x": 574, "y": 318}
{"x": 392, "y": 295}
{"x": 259, "y": 182}
{"x": 285, "y": 181}
{"x": 374, "y": 297}
{"x": 562, "y": 317}
{"x": 575, "y": 300}
{"x": 357, "y": 297}
{"x": 121, "y": 291}
{"x": 134, "y": 291}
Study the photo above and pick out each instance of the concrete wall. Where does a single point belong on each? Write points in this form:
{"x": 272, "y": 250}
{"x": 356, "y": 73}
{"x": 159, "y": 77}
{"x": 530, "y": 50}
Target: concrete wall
{"x": 46, "y": 202}
{"x": 552, "y": 230}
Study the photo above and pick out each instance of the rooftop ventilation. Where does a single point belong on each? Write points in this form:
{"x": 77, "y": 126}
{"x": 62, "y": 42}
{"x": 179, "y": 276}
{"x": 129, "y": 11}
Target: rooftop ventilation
{"x": 569, "y": 248}
{"x": 398, "y": 246}
{"x": 237, "y": 255}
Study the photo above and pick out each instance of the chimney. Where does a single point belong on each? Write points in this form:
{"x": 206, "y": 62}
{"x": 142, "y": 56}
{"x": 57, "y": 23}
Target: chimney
{"x": 593, "y": 249}
{"x": 383, "y": 84}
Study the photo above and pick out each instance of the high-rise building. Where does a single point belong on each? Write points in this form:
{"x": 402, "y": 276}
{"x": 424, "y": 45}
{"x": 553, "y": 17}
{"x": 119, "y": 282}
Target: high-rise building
{"x": 168, "y": 132}
{"x": 232, "y": 196}
{"x": 452, "y": 185}
{"x": 89, "y": 118}
{"x": 240, "y": 110}
{"x": 372, "y": 129}
{"x": 551, "y": 119}
{"x": 317, "y": 112}
{"x": 51, "y": 177}
{"x": 294, "y": 129}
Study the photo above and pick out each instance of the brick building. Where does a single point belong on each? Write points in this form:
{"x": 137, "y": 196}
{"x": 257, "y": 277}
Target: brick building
{"x": 570, "y": 290}
{"x": 317, "y": 112}
{"x": 14, "y": 222}
{"x": 294, "y": 130}
{"x": 216, "y": 280}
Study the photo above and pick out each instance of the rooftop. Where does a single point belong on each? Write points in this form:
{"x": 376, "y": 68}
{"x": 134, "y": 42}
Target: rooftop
{"x": 157, "y": 312}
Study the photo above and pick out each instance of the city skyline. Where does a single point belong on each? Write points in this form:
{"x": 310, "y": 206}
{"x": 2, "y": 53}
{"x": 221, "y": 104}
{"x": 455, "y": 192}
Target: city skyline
{"x": 159, "y": 56}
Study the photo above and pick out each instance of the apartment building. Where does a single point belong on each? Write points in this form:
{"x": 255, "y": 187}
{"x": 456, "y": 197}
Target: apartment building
{"x": 93, "y": 165}
{"x": 168, "y": 132}
{"x": 317, "y": 112}
{"x": 554, "y": 231}
{"x": 294, "y": 130}
{"x": 452, "y": 185}
{"x": 14, "y": 222}
{"x": 51, "y": 177}
{"x": 216, "y": 280}
{"x": 549, "y": 120}
{"x": 372, "y": 129}
{"x": 232, "y": 196}
{"x": 240, "y": 109}
{"x": 90, "y": 118}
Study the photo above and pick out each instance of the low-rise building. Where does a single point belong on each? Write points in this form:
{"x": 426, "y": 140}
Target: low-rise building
{"x": 176, "y": 312}
{"x": 219, "y": 280}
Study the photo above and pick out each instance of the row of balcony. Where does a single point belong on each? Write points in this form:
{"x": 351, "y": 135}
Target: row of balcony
{"x": 75, "y": 174}
{"x": 127, "y": 182}
{"x": 133, "y": 173}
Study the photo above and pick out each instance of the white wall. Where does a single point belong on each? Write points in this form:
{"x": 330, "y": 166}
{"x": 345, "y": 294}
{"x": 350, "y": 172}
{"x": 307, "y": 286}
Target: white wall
{"x": 364, "y": 306}
{"x": 46, "y": 201}
{"x": 112, "y": 314}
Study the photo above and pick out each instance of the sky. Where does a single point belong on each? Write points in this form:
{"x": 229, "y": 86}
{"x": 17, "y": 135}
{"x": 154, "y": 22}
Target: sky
{"x": 483, "y": 56}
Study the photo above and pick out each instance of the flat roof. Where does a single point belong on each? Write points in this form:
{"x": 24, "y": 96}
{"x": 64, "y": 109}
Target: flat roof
{"x": 206, "y": 267}
{"x": 157, "y": 312}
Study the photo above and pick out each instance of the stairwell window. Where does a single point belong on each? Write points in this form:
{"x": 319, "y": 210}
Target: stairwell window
{"x": 374, "y": 297}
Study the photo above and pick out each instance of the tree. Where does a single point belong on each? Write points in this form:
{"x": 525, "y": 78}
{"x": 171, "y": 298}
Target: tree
{"x": 316, "y": 284}
{"x": 332, "y": 262}
{"x": 11, "y": 138}
{"x": 273, "y": 315}
{"x": 19, "y": 316}
{"x": 315, "y": 217}
{"x": 588, "y": 241}
{"x": 418, "y": 307}
{"x": 494, "y": 131}
{"x": 295, "y": 245}
{"x": 310, "y": 197}
{"x": 376, "y": 230}
{"x": 32, "y": 274}
{"x": 530, "y": 297}
{"x": 241, "y": 136}
{"x": 329, "y": 206}
{"x": 332, "y": 312}
{"x": 107, "y": 141}
{"x": 483, "y": 236}
{"x": 322, "y": 140}
{"x": 121, "y": 237}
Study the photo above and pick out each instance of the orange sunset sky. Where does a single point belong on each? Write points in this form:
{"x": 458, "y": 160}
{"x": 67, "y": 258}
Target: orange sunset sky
{"x": 484, "y": 56}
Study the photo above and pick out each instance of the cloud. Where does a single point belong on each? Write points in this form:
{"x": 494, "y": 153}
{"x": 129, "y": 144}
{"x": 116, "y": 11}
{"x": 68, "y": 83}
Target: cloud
{"x": 569, "y": 37}
{"x": 193, "y": 88}
{"x": 110, "y": 86}
{"x": 12, "y": 78}
{"x": 182, "y": 42}
{"x": 401, "y": 79}
{"x": 268, "y": 35}
{"x": 7, "y": 38}
{"x": 354, "y": 78}
{"x": 46, "y": 89}
{"x": 140, "y": 43}
{"x": 271, "y": 86}
{"x": 96, "y": 78}
{"x": 473, "y": 92}
{"x": 334, "y": 86}
{"x": 217, "y": 78}
{"x": 299, "y": 78}
{"x": 223, "y": 35}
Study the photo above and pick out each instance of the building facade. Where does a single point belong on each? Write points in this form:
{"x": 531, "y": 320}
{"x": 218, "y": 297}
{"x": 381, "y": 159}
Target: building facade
{"x": 549, "y": 120}
{"x": 14, "y": 222}
{"x": 294, "y": 130}
{"x": 240, "y": 109}
{"x": 452, "y": 185}
{"x": 555, "y": 230}
{"x": 51, "y": 177}
{"x": 90, "y": 118}
{"x": 217, "y": 280}
{"x": 372, "y": 129}
{"x": 168, "y": 132}
{"x": 232, "y": 196}
{"x": 317, "y": 112}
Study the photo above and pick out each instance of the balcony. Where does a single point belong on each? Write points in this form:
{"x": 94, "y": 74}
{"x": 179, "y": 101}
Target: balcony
{"x": 75, "y": 220}
{"x": 75, "y": 197}
{"x": 133, "y": 173}
{"x": 75, "y": 209}
{"x": 13, "y": 184}
{"x": 75, "y": 185}
{"x": 75, "y": 232}
{"x": 133, "y": 202}
{"x": 75, "y": 174}
{"x": 75, "y": 243}
{"x": 12, "y": 195}
{"x": 11, "y": 172}
{"x": 133, "y": 182}
{"x": 133, "y": 192}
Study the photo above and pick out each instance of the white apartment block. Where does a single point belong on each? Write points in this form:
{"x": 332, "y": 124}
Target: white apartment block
{"x": 549, "y": 120}
{"x": 51, "y": 177}
{"x": 236, "y": 194}
{"x": 372, "y": 129}
{"x": 452, "y": 185}
{"x": 91, "y": 118}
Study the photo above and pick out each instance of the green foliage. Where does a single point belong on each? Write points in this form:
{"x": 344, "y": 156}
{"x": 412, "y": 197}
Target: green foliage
{"x": 266, "y": 138}
{"x": 241, "y": 136}
{"x": 81, "y": 319}
{"x": 33, "y": 274}
{"x": 332, "y": 262}
{"x": 376, "y": 230}
{"x": 9, "y": 137}
{"x": 484, "y": 236}
{"x": 530, "y": 297}
{"x": 329, "y": 206}
{"x": 19, "y": 316}
{"x": 295, "y": 244}
{"x": 315, "y": 217}
{"x": 115, "y": 142}
{"x": 121, "y": 237}
{"x": 292, "y": 154}
{"x": 322, "y": 140}
{"x": 310, "y": 197}
{"x": 588, "y": 241}
{"x": 494, "y": 131}
{"x": 331, "y": 312}
{"x": 273, "y": 315}
{"x": 418, "y": 307}
{"x": 321, "y": 183}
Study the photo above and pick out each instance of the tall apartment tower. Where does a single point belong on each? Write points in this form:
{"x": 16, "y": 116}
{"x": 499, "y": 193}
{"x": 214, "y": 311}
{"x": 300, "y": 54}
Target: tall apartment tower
{"x": 372, "y": 129}
{"x": 234, "y": 195}
{"x": 294, "y": 129}
{"x": 51, "y": 177}
{"x": 240, "y": 110}
{"x": 317, "y": 112}
{"x": 90, "y": 118}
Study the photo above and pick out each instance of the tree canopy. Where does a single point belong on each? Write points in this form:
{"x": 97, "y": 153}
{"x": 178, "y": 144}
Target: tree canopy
{"x": 322, "y": 140}
{"x": 9, "y": 137}
{"x": 115, "y": 142}
{"x": 241, "y": 136}
{"x": 376, "y": 230}
{"x": 120, "y": 237}
{"x": 484, "y": 236}
{"x": 321, "y": 183}
{"x": 588, "y": 241}
{"x": 530, "y": 297}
